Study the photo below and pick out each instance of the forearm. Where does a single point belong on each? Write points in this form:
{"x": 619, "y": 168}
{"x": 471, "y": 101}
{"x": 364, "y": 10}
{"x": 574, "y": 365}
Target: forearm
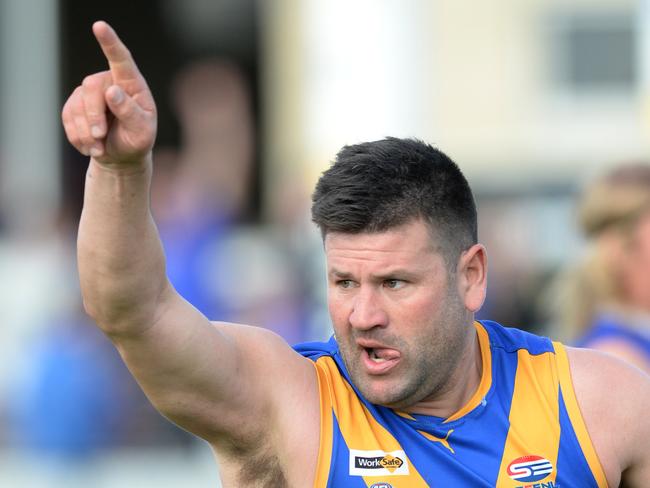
{"x": 121, "y": 261}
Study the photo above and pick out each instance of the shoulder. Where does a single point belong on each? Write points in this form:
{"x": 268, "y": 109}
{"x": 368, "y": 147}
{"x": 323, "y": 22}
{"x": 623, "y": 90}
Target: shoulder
{"x": 600, "y": 374}
{"x": 276, "y": 369}
{"x": 612, "y": 396}
{"x": 623, "y": 348}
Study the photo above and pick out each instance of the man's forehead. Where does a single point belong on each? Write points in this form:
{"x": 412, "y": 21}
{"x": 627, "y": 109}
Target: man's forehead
{"x": 411, "y": 238}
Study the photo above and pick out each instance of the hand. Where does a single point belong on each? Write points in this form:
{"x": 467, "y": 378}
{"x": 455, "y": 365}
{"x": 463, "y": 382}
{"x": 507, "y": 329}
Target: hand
{"x": 111, "y": 116}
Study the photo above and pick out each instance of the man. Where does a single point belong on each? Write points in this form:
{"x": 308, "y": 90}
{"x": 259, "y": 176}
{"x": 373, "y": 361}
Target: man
{"x": 411, "y": 393}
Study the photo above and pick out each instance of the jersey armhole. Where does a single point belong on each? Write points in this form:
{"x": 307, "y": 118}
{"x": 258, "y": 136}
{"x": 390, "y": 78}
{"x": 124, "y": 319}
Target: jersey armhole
{"x": 326, "y": 427}
{"x": 575, "y": 415}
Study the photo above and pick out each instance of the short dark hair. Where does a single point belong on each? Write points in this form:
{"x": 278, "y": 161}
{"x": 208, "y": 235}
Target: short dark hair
{"x": 375, "y": 186}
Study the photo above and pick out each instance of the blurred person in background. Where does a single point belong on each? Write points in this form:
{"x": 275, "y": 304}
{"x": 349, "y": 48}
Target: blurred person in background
{"x": 201, "y": 198}
{"x": 200, "y": 195}
{"x": 69, "y": 397}
{"x": 410, "y": 391}
{"x": 605, "y": 301}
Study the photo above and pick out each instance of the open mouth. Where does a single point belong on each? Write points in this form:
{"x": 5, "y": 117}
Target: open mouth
{"x": 380, "y": 360}
{"x": 372, "y": 354}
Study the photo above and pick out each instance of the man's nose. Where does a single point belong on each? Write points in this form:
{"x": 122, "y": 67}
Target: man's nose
{"x": 367, "y": 311}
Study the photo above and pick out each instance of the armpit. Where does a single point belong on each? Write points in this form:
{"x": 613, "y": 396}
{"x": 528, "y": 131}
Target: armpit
{"x": 262, "y": 469}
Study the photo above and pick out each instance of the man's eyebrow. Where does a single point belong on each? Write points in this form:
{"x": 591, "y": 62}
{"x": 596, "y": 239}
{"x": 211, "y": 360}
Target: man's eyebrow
{"x": 395, "y": 274}
{"x": 390, "y": 274}
{"x": 339, "y": 274}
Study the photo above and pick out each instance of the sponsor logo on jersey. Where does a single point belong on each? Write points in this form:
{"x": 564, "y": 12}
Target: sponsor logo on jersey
{"x": 381, "y": 485}
{"x": 529, "y": 468}
{"x": 543, "y": 484}
{"x": 443, "y": 440}
{"x": 378, "y": 463}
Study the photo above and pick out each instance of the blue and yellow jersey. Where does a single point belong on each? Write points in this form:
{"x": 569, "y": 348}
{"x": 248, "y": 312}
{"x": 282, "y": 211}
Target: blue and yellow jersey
{"x": 522, "y": 427}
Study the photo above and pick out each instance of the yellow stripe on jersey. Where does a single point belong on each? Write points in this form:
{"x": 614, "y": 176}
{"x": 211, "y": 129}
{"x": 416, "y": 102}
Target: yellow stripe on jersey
{"x": 359, "y": 428}
{"x": 534, "y": 414}
{"x": 573, "y": 409}
{"x": 404, "y": 415}
{"x": 326, "y": 429}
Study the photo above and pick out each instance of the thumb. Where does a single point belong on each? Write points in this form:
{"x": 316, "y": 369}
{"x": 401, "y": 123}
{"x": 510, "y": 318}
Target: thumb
{"x": 124, "y": 108}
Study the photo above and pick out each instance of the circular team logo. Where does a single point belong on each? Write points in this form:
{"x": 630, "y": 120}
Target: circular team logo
{"x": 381, "y": 485}
{"x": 529, "y": 468}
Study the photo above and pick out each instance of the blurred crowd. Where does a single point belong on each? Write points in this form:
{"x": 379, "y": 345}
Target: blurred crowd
{"x": 66, "y": 394}
{"x": 567, "y": 259}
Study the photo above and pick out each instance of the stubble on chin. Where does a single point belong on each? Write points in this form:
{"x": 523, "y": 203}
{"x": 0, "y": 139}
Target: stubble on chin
{"x": 387, "y": 390}
{"x": 427, "y": 367}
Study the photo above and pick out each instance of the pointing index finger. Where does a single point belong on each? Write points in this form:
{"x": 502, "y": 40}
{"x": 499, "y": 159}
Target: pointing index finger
{"x": 120, "y": 62}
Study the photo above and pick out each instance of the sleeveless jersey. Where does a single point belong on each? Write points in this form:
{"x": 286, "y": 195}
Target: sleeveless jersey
{"x": 522, "y": 427}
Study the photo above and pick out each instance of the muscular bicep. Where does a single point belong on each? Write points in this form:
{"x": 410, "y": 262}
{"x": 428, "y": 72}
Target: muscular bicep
{"x": 613, "y": 396}
{"x": 216, "y": 380}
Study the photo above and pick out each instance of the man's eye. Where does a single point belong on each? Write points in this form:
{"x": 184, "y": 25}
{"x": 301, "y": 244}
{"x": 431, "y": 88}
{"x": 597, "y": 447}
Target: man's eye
{"x": 394, "y": 284}
{"x": 345, "y": 283}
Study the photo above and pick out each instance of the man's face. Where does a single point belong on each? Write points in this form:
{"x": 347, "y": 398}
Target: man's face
{"x": 399, "y": 320}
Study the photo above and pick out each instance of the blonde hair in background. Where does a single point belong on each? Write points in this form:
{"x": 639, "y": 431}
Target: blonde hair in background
{"x": 608, "y": 213}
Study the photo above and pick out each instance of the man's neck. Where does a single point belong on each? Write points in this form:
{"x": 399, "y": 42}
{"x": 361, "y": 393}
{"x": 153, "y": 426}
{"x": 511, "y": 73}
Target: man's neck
{"x": 461, "y": 387}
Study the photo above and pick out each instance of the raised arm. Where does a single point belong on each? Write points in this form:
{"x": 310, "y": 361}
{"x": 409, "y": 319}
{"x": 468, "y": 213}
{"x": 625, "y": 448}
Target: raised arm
{"x": 216, "y": 380}
{"x": 112, "y": 117}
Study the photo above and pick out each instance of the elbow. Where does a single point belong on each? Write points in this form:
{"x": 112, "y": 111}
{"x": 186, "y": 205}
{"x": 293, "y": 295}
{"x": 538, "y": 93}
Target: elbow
{"x": 118, "y": 314}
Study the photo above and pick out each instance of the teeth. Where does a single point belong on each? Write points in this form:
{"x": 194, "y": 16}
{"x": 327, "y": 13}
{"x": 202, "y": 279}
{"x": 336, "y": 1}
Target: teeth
{"x": 375, "y": 358}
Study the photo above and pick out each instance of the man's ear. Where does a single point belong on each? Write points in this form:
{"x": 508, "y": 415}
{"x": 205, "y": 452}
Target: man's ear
{"x": 472, "y": 277}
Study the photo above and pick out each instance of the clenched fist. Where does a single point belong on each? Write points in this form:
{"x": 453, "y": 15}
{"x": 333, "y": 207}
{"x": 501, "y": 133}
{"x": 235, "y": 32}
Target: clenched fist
{"x": 111, "y": 116}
